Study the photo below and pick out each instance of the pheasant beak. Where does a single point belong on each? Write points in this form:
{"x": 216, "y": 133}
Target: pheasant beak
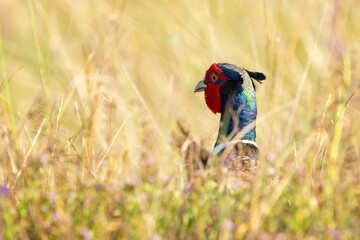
{"x": 200, "y": 86}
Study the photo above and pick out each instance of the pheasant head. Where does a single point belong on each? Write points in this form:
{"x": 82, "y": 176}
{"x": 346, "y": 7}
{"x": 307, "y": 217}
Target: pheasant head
{"x": 230, "y": 90}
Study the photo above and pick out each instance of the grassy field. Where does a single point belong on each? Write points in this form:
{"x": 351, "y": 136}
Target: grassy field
{"x": 91, "y": 91}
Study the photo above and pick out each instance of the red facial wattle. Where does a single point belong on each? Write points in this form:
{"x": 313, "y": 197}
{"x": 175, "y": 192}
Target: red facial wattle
{"x": 212, "y": 97}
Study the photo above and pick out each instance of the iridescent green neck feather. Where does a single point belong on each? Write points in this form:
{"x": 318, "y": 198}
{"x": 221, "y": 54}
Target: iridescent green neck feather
{"x": 238, "y": 111}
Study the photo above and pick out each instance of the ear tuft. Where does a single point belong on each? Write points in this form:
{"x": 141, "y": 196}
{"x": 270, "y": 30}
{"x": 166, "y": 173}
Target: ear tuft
{"x": 258, "y": 76}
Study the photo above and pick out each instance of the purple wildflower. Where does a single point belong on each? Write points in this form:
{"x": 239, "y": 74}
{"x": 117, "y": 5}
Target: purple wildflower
{"x": 166, "y": 178}
{"x": 86, "y": 233}
{"x": 98, "y": 187}
{"x": 132, "y": 181}
{"x": 4, "y": 191}
{"x": 229, "y": 224}
{"x": 44, "y": 159}
{"x": 54, "y": 217}
{"x": 236, "y": 185}
{"x": 43, "y": 208}
{"x": 150, "y": 161}
{"x": 156, "y": 237}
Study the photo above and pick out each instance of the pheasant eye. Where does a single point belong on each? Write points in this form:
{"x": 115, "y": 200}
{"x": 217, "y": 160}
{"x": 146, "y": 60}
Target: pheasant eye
{"x": 214, "y": 77}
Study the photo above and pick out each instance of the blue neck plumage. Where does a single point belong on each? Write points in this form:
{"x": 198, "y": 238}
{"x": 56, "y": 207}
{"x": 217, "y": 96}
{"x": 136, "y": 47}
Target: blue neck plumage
{"x": 238, "y": 110}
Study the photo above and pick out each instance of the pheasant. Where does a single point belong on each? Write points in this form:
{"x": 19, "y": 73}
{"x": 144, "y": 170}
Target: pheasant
{"x": 230, "y": 91}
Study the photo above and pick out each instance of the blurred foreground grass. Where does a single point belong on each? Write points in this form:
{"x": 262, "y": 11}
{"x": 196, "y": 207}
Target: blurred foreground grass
{"x": 91, "y": 91}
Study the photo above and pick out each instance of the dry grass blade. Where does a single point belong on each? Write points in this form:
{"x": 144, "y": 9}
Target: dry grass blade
{"x": 305, "y": 74}
{"x": 261, "y": 210}
{"x": 23, "y": 166}
{"x": 111, "y": 144}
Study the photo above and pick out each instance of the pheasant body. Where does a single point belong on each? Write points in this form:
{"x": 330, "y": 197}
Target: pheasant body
{"x": 229, "y": 90}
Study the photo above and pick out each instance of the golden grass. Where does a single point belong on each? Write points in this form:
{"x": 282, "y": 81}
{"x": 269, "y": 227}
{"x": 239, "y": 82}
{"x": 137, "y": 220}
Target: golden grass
{"x": 91, "y": 91}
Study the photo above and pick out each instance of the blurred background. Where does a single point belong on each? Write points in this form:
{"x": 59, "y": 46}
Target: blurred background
{"x": 94, "y": 89}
